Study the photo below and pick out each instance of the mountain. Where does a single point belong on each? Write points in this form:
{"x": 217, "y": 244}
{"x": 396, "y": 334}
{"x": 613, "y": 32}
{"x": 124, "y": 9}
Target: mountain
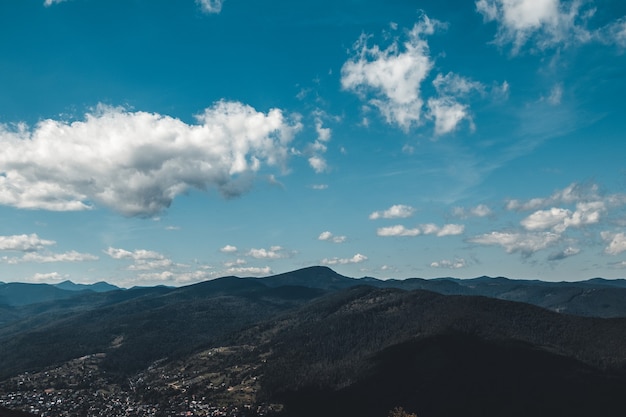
{"x": 313, "y": 342}
{"x": 594, "y": 298}
{"x": 19, "y": 294}
{"x": 96, "y": 287}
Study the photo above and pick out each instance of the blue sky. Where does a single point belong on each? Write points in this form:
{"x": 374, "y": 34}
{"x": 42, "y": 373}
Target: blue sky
{"x": 167, "y": 142}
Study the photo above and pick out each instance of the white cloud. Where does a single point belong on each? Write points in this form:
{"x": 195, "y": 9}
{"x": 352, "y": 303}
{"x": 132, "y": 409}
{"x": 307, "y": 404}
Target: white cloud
{"x": 450, "y": 264}
{"x": 356, "y": 259}
{"x": 228, "y": 249}
{"x": 143, "y": 260}
{"x": 546, "y": 219}
{"x": 398, "y": 211}
{"x": 560, "y": 219}
{"x": 36, "y": 257}
{"x": 71, "y": 256}
{"x": 139, "y": 254}
{"x": 209, "y": 6}
{"x": 137, "y": 162}
{"x": 275, "y": 252}
{"x": 318, "y": 163}
{"x": 426, "y": 229}
{"x": 456, "y": 85}
{"x": 150, "y": 264}
{"x": 397, "y": 230}
{"x": 250, "y": 270}
{"x": 47, "y": 277}
{"x": 446, "y": 109}
{"x": 393, "y": 75}
{"x": 571, "y": 194}
{"x": 524, "y": 243}
{"x": 235, "y": 263}
{"x": 445, "y": 230}
{"x": 451, "y": 230}
{"x": 447, "y": 113}
{"x": 549, "y": 23}
{"x": 329, "y": 237}
{"x": 617, "y": 242}
{"x": 48, "y": 3}
{"x": 24, "y": 243}
{"x": 480, "y": 210}
{"x": 319, "y": 186}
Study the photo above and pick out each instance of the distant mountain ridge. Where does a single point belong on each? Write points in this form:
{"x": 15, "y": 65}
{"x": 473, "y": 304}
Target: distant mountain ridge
{"x": 596, "y": 297}
{"x": 20, "y": 294}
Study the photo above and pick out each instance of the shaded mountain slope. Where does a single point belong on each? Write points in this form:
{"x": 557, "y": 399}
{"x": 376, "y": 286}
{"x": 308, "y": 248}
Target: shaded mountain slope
{"x": 135, "y": 331}
{"x": 329, "y": 344}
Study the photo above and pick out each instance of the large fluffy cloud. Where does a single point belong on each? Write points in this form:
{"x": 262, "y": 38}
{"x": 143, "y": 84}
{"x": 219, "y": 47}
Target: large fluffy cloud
{"x": 394, "y": 75}
{"x": 548, "y": 22}
{"x": 560, "y": 219}
{"x": 137, "y": 162}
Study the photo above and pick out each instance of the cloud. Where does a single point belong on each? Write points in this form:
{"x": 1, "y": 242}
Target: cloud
{"x": 47, "y": 277}
{"x": 566, "y": 253}
{"x": 457, "y": 263}
{"x": 139, "y": 254}
{"x": 235, "y": 263}
{"x": 480, "y": 210}
{"x": 426, "y": 229}
{"x": 548, "y": 23}
{"x": 136, "y": 163}
{"x": 617, "y": 242}
{"x": 49, "y": 257}
{"x": 24, "y": 243}
{"x": 329, "y": 237}
{"x": 524, "y": 243}
{"x": 49, "y": 3}
{"x": 143, "y": 260}
{"x": 356, "y": 259}
{"x": 614, "y": 33}
{"x": 275, "y": 252}
{"x": 319, "y": 186}
{"x": 319, "y": 147}
{"x": 228, "y": 249}
{"x": 250, "y": 270}
{"x": 560, "y": 219}
{"x": 318, "y": 163}
{"x": 393, "y": 75}
{"x": 398, "y": 211}
{"x": 571, "y": 194}
{"x": 397, "y": 230}
{"x": 71, "y": 256}
{"x": 450, "y": 230}
{"x": 446, "y": 109}
{"x": 209, "y": 6}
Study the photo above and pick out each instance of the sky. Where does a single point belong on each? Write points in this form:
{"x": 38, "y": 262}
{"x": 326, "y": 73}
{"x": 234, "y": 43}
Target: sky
{"x": 167, "y": 142}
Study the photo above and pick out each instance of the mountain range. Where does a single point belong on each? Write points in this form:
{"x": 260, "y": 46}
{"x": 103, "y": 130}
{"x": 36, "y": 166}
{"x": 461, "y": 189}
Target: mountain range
{"x": 312, "y": 342}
